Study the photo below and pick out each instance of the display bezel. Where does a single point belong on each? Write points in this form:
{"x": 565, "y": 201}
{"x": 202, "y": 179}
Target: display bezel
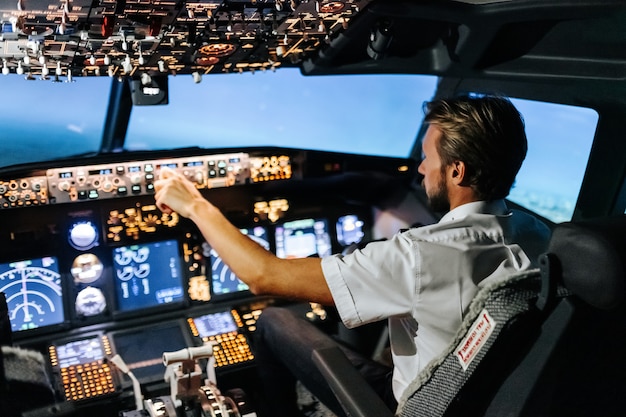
{"x": 203, "y": 319}
{"x": 175, "y": 330}
{"x": 279, "y": 236}
{"x": 124, "y": 311}
{"x": 61, "y": 303}
{"x": 79, "y": 341}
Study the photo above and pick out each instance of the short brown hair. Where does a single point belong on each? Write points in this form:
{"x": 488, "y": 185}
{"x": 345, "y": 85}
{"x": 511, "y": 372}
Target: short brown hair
{"x": 487, "y": 134}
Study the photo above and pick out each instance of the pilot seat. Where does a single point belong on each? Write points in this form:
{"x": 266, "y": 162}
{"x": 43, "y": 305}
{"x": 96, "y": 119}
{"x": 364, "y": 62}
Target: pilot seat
{"x": 544, "y": 343}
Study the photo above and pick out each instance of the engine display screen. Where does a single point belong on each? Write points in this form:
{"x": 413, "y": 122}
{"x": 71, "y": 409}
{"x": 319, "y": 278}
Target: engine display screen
{"x": 142, "y": 349}
{"x": 223, "y": 279}
{"x": 34, "y": 293}
{"x": 147, "y": 275}
{"x": 303, "y": 238}
{"x": 215, "y": 323}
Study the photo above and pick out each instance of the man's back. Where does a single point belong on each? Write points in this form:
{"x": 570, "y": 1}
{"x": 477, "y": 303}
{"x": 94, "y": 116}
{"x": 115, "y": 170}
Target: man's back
{"x": 424, "y": 279}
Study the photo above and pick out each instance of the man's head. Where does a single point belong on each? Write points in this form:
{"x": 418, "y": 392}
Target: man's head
{"x": 480, "y": 143}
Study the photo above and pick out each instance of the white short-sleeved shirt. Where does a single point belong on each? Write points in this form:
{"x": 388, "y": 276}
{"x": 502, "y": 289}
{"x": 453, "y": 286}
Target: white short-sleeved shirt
{"x": 423, "y": 279}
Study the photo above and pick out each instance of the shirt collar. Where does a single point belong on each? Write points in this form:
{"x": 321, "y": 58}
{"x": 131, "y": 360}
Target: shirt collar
{"x": 496, "y": 207}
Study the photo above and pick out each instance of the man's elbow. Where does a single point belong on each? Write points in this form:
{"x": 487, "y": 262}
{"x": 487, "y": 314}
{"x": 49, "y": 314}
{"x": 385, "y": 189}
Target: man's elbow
{"x": 257, "y": 289}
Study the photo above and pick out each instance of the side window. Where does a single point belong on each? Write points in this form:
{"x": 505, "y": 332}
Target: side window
{"x": 559, "y": 143}
{"x": 38, "y": 126}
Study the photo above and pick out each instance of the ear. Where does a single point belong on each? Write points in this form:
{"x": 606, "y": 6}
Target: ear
{"x": 457, "y": 172}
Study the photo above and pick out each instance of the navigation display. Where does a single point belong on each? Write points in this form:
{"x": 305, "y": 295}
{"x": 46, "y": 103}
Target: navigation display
{"x": 33, "y": 291}
{"x": 147, "y": 275}
{"x": 223, "y": 280}
{"x": 303, "y": 238}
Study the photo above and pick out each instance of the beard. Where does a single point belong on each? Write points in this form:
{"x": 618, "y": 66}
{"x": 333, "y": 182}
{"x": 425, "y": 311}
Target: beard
{"x": 438, "y": 200}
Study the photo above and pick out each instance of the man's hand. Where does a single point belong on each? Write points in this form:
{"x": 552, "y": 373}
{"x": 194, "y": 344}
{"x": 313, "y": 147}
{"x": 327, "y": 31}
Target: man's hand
{"x": 175, "y": 193}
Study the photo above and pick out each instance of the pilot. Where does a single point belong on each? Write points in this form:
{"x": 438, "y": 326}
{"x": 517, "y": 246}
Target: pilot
{"x": 422, "y": 280}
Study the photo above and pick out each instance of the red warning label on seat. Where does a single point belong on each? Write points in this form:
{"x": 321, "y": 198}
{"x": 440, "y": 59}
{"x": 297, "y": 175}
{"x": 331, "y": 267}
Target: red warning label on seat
{"x": 476, "y": 338}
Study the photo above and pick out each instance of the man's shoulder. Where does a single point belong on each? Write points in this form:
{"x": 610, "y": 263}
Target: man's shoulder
{"x": 459, "y": 229}
{"x": 477, "y": 223}
{"x": 529, "y": 220}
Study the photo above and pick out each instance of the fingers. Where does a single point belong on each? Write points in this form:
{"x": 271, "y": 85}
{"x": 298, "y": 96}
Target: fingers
{"x": 159, "y": 188}
{"x": 157, "y": 198}
{"x": 166, "y": 173}
{"x": 164, "y": 208}
{"x": 173, "y": 192}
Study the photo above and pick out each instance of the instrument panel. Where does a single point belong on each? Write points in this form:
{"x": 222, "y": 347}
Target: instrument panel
{"x": 67, "y": 269}
{"x": 91, "y": 268}
{"x": 136, "y": 178}
{"x": 82, "y": 368}
{"x": 97, "y": 250}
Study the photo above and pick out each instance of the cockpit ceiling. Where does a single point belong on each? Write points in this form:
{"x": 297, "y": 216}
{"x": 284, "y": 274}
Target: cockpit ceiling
{"x": 61, "y": 39}
{"x": 100, "y": 37}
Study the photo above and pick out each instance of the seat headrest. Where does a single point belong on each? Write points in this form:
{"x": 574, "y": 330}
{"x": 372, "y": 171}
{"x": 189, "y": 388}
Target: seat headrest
{"x": 592, "y": 256}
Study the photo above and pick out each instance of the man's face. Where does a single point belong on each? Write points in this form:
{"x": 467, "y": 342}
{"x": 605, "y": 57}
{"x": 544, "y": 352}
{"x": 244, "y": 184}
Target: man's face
{"x": 431, "y": 168}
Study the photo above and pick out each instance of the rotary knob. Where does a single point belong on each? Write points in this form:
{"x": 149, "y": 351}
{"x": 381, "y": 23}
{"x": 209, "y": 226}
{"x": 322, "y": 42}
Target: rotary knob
{"x": 199, "y": 177}
{"x": 90, "y": 301}
{"x": 64, "y": 186}
{"x": 83, "y": 235}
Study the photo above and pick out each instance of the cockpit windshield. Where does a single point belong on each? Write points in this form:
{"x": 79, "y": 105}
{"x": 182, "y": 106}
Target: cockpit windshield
{"x": 356, "y": 114}
{"x": 365, "y": 114}
{"x": 377, "y": 115}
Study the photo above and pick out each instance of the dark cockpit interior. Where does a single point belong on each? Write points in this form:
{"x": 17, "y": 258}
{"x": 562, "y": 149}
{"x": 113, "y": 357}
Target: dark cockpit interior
{"x": 94, "y": 273}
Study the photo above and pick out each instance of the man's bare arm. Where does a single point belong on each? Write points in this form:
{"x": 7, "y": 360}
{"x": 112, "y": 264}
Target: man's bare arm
{"x": 263, "y": 272}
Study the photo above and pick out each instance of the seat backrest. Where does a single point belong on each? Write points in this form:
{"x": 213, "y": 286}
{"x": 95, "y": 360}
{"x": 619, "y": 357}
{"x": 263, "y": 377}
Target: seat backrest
{"x": 24, "y": 382}
{"x": 592, "y": 260}
{"x": 543, "y": 343}
{"x": 6, "y": 336}
{"x": 499, "y": 323}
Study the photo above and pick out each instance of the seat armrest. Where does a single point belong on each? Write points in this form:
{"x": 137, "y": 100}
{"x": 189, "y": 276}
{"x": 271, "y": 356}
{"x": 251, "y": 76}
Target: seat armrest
{"x": 355, "y": 395}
